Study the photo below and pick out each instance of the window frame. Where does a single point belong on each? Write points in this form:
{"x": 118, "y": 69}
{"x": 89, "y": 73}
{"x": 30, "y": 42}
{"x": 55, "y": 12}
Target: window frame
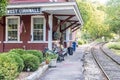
{"x": 44, "y": 30}
{"x": 18, "y": 36}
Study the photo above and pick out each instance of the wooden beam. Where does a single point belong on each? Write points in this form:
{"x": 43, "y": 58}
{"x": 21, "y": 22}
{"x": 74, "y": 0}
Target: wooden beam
{"x": 63, "y": 15}
{"x": 72, "y": 21}
{"x": 68, "y": 26}
{"x": 45, "y": 12}
{"x": 75, "y": 26}
{"x": 66, "y": 19}
{"x": 75, "y": 29}
{"x": 47, "y": 19}
{"x": 61, "y": 23}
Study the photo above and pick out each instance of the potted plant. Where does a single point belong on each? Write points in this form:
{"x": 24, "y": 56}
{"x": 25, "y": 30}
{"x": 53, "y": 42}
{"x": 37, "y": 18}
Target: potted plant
{"x": 53, "y": 61}
{"x": 47, "y": 60}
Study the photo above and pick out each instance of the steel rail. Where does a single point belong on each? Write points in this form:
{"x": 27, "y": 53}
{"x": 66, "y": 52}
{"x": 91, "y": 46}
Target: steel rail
{"x": 101, "y": 47}
{"x": 99, "y": 65}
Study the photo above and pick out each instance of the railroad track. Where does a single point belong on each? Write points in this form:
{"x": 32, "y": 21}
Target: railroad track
{"x": 107, "y": 64}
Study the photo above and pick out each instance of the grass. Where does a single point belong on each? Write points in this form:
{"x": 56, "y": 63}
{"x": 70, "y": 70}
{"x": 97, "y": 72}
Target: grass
{"x": 99, "y": 40}
{"x": 117, "y": 52}
{"x": 114, "y": 46}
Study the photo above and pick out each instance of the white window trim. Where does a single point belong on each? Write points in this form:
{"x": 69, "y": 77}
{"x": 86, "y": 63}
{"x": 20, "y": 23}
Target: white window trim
{"x": 44, "y": 30}
{"x": 6, "y": 40}
{"x": 37, "y": 41}
{"x": 13, "y": 41}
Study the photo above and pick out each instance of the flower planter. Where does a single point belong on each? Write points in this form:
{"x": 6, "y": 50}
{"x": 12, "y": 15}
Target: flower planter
{"x": 53, "y": 63}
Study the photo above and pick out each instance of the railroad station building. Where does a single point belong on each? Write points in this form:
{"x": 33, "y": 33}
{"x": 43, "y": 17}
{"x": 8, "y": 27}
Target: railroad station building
{"x": 36, "y": 24}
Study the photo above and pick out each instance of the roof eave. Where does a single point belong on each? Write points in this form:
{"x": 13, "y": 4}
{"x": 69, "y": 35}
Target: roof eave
{"x": 62, "y": 4}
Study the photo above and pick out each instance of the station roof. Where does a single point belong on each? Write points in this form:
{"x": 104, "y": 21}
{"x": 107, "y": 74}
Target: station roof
{"x": 62, "y": 10}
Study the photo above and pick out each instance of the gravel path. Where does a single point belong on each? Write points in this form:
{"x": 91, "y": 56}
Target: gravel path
{"x": 91, "y": 69}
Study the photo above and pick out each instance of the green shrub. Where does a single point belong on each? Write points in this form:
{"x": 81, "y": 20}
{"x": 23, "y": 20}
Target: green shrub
{"x": 52, "y": 56}
{"x": 18, "y": 51}
{"x": 8, "y": 67}
{"x": 36, "y": 53}
{"x": 18, "y": 59}
{"x": 114, "y": 46}
{"x": 30, "y": 61}
{"x": 80, "y": 42}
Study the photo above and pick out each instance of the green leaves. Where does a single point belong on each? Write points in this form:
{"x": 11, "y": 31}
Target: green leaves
{"x": 93, "y": 16}
{"x": 113, "y": 15}
{"x": 3, "y": 4}
{"x": 8, "y": 67}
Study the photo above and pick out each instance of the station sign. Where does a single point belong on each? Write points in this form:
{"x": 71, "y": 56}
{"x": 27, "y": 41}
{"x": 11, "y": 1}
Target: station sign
{"x": 23, "y": 11}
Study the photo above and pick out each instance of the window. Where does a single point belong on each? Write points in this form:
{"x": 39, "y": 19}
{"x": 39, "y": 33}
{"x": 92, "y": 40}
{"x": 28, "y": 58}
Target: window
{"x": 37, "y": 28}
{"x": 12, "y": 24}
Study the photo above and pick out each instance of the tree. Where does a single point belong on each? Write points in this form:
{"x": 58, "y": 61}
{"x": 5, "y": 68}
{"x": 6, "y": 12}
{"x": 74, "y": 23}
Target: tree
{"x": 3, "y": 4}
{"x": 113, "y": 16}
{"x": 93, "y": 16}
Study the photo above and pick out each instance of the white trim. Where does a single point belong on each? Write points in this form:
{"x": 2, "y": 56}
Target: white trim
{"x": 6, "y": 38}
{"x": 57, "y": 8}
{"x": 56, "y": 41}
{"x": 50, "y": 32}
{"x": 41, "y": 4}
{"x": 77, "y": 12}
{"x": 13, "y": 42}
{"x": 44, "y": 30}
{"x": 37, "y": 42}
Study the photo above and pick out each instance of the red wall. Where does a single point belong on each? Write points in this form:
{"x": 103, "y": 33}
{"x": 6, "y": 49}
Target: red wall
{"x": 2, "y": 33}
{"x": 25, "y": 37}
{"x": 25, "y": 1}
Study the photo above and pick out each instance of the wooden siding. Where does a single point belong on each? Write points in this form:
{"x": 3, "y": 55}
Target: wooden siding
{"x": 24, "y": 37}
{"x": 28, "y": 46}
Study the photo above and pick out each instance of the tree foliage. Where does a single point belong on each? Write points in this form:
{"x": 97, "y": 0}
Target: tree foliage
{"x": 3, "y": 4}
{"x": 113, "y": 15}
{"x": 93, "y": 16}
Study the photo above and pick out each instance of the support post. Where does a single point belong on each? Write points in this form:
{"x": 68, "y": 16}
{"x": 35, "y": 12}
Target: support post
{"x": 50, "y": 32}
